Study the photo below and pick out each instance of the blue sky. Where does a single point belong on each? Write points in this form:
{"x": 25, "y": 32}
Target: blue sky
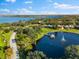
{"x": 32, "y": 7}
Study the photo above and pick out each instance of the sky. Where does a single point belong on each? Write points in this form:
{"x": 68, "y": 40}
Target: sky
{"x": 39, "y": 7}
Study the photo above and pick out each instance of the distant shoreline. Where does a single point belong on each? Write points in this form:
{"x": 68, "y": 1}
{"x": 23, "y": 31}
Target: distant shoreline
{"x": 40, "y": 15}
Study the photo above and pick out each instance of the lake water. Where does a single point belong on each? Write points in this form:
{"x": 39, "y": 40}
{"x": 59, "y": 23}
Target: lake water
{"x": 13, "y": 19}
{"x": 16, "y": 19}
{"x": 54, "y": 48}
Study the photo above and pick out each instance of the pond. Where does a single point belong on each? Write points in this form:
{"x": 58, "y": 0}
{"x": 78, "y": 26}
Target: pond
{"x": 55, "y": 47}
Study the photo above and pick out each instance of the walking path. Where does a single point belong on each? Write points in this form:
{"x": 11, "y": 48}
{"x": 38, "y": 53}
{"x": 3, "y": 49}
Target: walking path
{"x": 13, "y": 45}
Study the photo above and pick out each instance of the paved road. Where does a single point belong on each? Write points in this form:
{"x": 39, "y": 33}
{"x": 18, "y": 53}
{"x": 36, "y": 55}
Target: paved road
{"x": 13, "y": 45}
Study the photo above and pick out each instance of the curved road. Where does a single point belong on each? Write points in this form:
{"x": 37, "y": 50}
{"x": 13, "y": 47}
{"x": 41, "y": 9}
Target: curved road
{"x": 13, "y": 45}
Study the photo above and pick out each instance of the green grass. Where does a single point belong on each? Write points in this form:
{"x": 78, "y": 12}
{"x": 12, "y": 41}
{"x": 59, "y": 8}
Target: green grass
{"x": 2, "y": 54}
{"x": 44, "y": 31}
{"x": 2, "y": 43}
{"x": 7, "y": 36}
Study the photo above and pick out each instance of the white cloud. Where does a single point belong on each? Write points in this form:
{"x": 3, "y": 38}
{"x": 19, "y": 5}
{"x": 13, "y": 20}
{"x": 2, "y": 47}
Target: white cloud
{"x": 4, "y": 10}
{"x": 28, "y": 2}
{"x": 23, "y": 11}
{"x": 65, "y": 6}
{"x": 10, "y": 0}
{"x": 19, "y": 11}
{"x": 47, "y": 12}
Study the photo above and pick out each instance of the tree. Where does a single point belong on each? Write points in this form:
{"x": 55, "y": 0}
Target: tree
{"x": 72, "y": 53}
{"x": 36, "y": 55}
{"x": 37, "y": 29}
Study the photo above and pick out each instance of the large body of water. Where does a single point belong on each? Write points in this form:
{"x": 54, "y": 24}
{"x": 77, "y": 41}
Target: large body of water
{"x": 16, "y": 19}
{"x": 13, "y": 19}
{"x": 55, "y": 48}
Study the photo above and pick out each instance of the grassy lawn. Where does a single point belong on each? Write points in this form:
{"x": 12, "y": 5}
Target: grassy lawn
{"x": 2, "y": 43}
{"x": 44, "y": 31}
